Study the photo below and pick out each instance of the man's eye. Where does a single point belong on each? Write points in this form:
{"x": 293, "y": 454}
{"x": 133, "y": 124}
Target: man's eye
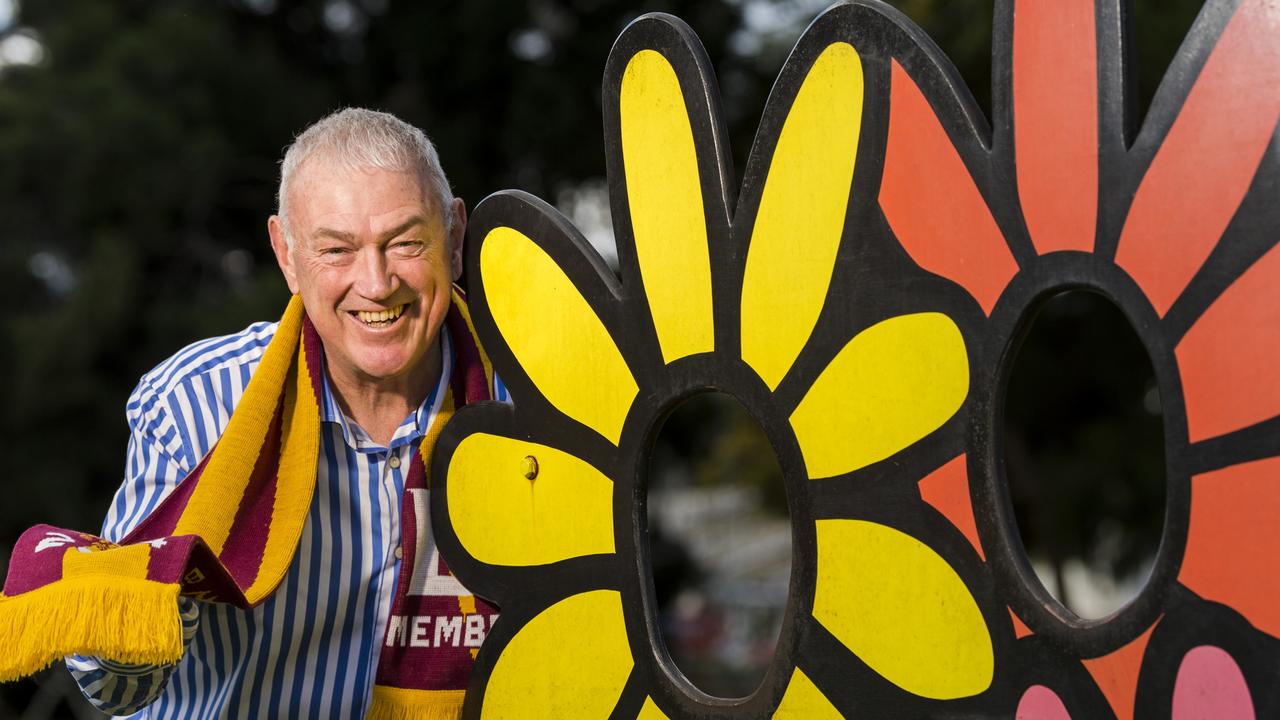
{"x": 334, "y": 251}
{"x": 407, "y": 246}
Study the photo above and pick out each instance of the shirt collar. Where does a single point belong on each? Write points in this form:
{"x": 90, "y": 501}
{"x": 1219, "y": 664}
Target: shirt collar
{"x": 415, "y": 424}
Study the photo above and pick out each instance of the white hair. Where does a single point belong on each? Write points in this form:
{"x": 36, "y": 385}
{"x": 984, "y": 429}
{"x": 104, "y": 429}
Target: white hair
{"x": 362, "y": 139}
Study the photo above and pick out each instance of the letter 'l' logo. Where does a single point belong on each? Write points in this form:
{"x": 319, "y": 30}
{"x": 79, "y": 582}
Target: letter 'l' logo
{"x": 427, "y": 578}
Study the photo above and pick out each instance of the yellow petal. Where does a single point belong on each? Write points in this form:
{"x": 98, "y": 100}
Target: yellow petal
{"x": 891, "y": 385}
{"x": 650, "y": 711}
{"x": 570, "y": 661}
{"x": 803, "y": 700}
{"x": 504, "y": 518}
{"x": 801, "y": 217}
{"x": 901, "y": 609}
{"x": 666, "y": 205}
{"x": 554, "y": 334}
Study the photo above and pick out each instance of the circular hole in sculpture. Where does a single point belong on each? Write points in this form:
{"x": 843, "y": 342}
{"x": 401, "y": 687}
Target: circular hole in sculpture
{"x": 719, "y": 544}
{"x": 1084, "y": 453}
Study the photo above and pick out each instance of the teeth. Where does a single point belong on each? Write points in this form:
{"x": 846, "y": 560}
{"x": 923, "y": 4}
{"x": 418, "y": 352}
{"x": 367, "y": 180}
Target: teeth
{"x": 380, "y": 317}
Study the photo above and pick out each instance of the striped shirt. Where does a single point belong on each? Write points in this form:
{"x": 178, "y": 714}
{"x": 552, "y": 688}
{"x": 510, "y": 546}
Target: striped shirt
{"x": 311, "y": 649}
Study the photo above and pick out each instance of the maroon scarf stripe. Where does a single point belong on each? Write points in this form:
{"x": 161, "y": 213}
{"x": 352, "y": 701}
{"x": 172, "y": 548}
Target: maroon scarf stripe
{"x": 313, "y": 351}
{"x": 246, "y": 543}
{"x": 469, "y": 381}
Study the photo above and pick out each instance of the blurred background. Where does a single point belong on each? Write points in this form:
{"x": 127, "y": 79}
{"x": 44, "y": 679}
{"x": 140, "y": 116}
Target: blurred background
{"x": 139, "y": 144}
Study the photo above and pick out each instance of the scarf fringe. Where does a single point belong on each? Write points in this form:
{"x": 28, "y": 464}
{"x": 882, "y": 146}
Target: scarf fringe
{"x": 121, "y": 619}
{"x": 393, "y": 703}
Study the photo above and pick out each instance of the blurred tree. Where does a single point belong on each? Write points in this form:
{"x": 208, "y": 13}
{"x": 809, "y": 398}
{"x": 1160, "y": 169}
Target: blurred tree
{"x": 132, "y": 177}
{"x": 962, "y": 28}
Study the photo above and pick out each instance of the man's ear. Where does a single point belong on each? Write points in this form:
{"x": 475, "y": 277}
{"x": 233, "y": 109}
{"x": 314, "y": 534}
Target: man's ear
{"x": 457, "y": 234}
{"x": 284, "y": 257}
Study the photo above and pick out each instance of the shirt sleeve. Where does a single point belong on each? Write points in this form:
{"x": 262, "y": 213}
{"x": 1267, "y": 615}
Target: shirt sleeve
{"x": 122, "y": 689}
{"x": 156, "y": 464}
{"x": 158, "y": 460}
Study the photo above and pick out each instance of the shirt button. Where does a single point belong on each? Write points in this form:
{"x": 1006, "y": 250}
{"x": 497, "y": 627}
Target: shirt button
{"x": 399, "y": 553}
{"x": 394, "y": 461}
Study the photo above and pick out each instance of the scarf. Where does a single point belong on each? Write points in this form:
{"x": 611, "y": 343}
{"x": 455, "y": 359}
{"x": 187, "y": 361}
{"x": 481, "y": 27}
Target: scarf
{"x": 228, "y": 534}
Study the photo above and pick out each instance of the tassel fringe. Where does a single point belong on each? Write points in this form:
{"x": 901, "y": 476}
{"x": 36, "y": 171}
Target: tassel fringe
{"x": 126, "y": 620}
{"x": 392, "y": 703}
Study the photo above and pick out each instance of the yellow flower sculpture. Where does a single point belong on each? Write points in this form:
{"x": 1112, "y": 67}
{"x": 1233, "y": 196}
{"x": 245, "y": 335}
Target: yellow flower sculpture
{"x": 540, "y": 506}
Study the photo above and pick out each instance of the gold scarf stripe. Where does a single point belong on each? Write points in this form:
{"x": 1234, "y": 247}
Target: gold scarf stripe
{"x": 212, "y": 507}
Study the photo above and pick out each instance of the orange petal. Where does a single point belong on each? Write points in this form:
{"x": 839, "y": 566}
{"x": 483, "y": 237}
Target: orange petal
{"x": 932, "y": 203}
{"x": 1227, "y": 359}
{"x": 1233, "y": 540}
{"x": 947, "y": 490}
{"x": 1117, "y": 674}
{"x": 1020, "y": 629}
{"x": 1055, "y": 111}
{"x": 1208, "y": 159}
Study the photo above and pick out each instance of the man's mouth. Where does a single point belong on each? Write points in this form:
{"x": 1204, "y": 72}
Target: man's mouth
{"x": 380, "y": 318}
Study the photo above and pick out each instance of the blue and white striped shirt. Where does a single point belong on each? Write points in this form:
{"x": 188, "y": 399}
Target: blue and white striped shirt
{"x": 311, "y": 649}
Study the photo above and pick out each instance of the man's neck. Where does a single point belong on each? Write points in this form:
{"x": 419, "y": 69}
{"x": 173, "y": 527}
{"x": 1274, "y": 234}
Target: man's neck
{"x": 379, "y": 406}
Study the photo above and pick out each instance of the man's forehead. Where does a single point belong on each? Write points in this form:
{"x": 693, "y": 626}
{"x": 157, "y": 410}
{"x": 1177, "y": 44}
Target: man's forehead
{"x": 353, "y": 225}
{"x": 335, "y": 193}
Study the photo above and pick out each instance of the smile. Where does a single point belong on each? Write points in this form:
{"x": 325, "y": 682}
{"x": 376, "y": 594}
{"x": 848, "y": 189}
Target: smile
{"x": 380, "y": 318}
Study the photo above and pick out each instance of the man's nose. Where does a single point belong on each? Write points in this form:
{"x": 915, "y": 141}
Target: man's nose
{"x": 375, "y": 279}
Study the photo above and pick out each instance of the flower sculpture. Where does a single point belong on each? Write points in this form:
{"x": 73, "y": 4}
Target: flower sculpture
{"x": 861, "y": 298}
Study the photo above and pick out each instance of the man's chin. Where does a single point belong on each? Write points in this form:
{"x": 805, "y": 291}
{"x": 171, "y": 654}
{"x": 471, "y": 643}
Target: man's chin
{"x": 384, "y": 371}
{"x": 385, "y": 359}
{"x": 388, "y": 364}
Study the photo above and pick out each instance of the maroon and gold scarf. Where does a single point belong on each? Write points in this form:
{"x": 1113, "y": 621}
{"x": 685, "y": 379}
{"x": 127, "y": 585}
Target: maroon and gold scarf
{"x": 229, "y": 532}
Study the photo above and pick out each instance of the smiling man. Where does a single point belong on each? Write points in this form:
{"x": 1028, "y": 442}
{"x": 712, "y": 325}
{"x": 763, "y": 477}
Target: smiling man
{"x": 373, "y": 252}
{"x": 369, "y": 236}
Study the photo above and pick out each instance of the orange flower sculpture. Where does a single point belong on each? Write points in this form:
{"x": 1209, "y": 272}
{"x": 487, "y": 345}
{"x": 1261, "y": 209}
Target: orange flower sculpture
{"x": 862, "y": 297}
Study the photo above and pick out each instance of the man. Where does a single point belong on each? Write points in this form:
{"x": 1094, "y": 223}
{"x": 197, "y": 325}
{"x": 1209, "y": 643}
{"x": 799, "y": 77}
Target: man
{"x": 370, "y": 238}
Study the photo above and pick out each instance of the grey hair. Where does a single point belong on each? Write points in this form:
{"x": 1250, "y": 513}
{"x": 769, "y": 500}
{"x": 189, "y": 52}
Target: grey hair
{"x": 362, "y": 139}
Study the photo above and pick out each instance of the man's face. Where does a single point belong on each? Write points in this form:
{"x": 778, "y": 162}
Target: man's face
{"x": 374, "y": 263}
